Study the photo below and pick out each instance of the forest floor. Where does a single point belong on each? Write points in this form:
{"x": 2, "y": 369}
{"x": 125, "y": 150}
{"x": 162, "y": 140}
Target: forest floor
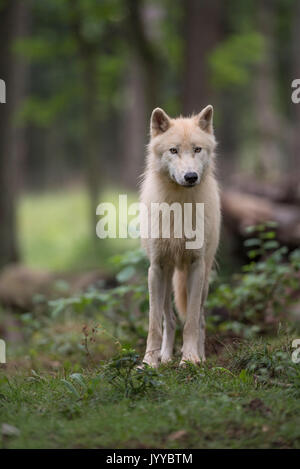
{"x": 246, "y": 397}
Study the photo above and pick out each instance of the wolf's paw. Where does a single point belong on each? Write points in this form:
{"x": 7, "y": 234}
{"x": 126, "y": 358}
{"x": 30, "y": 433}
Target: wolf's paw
{"x": 166, "y": 358}
{"x": 151, "y": 359}
{"x": 191, "y": 358}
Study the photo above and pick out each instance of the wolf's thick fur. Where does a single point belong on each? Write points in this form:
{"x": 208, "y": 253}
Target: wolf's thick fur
{"x": 180, "y": 148}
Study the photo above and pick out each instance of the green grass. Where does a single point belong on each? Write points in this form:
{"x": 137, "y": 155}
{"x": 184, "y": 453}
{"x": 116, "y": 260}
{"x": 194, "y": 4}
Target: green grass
{"x": 55, "y": 232}
{"x": 209, "y": 407}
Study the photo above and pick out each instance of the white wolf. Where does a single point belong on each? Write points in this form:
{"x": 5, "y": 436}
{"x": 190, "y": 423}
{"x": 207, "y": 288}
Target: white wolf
{"x": 180, "y": 169}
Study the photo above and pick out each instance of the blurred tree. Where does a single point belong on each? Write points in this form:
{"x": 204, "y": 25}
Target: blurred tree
{"x": 202, "y": 33}
{"x": 13, "y": 25}
{"x": 134, "y": 124}
{"x": 144, "y": 48}
{"x": 295, "y": 160}
{"x": 265, "y": 91}
{"x": 232, "y": 66}
{"x": 87, "y": 45}
{"x": 142, "y": 83}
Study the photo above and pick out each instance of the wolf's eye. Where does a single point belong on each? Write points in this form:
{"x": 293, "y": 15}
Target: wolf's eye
{"x": 173, "y": 150}
{"x": 197, "y": 149}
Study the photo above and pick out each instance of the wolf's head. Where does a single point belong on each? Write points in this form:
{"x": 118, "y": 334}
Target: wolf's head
{"x": 182, "y": 148}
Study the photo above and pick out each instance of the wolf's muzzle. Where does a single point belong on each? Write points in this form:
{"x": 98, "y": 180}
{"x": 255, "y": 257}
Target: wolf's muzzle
{"x": 191, "y": 178}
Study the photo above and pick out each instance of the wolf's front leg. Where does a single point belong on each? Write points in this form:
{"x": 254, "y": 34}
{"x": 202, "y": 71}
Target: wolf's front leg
{"x": 157, "y": 285}
{"x": 169, "y": 321}
{"x": 193, "y": 332}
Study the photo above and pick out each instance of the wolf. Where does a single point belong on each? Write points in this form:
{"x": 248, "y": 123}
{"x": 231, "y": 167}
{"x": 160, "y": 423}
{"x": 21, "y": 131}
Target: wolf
{"x": 180, "y": 168}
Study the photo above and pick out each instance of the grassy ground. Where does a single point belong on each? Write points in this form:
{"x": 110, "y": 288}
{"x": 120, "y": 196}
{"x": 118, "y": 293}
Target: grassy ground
{"x": 251, "y": 401}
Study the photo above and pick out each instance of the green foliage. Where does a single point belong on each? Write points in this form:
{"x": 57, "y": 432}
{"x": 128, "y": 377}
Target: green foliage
{"x": 131, "y": 263}
{"x": 124, "y": 306}
{"x": 232, "y": 61}
{"x": 129, "y": 379}
{"x": 270, "y": 365}
{"x": 262, "y": 293}
{"x": 82, "y": 386}
{"x": 61, "y": 29}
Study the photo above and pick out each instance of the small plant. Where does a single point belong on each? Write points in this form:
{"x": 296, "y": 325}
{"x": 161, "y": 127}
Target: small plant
{"x": 89, "y": 336}
{"x": 190, "y": 373}
{"x": 129, "y": 379}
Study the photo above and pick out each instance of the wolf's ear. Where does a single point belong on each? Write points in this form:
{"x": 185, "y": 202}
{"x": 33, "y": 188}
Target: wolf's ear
{"x": 205, "y": 119}
{"x": 160, "y": 122}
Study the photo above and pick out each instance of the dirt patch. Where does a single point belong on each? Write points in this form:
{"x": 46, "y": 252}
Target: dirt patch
{"x": 257, "y": 405}
{"x": 217, "y": 344}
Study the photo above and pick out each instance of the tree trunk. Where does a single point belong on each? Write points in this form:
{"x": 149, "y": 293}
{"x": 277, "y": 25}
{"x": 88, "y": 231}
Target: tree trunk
{"x": 88, "y": 55}
{"x": 134, "y": 125}
{"x": 202, "y": 30}
{"x": 91, "y": 141}
{"x": 142, "y": 86}
{"x": 13, "y": 21}
{"x": 143, "y": 49}
{"x": 268, "y": 121}
{"x": 295, "y": 163}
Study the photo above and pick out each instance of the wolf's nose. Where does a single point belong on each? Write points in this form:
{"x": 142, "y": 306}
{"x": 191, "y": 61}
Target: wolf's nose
{"x": 191, "y": 178}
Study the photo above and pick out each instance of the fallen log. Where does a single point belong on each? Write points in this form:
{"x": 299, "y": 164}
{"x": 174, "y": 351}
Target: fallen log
{"x": 286, "y": 190}
{"x": 241, "y": 210}
{"x": 22, "y": 287}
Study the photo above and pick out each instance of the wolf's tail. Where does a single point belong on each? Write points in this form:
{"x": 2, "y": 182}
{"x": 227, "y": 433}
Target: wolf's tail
{"x": 180, "y": 292}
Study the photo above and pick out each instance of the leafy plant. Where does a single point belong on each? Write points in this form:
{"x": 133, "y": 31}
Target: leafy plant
{"x": 129, "y": 379}
{"x": 124, "y": 306}
{"x": 270, "y": 365}
{"x": 260, "y": 296}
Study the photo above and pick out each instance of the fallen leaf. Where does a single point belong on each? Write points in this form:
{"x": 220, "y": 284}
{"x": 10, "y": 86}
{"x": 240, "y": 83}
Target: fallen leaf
{"x": 177, "y": 435}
